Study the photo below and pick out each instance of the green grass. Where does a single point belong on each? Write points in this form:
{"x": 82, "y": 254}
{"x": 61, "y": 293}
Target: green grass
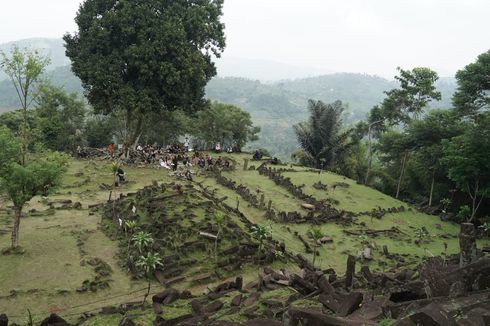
{"x": 45, "y": 278}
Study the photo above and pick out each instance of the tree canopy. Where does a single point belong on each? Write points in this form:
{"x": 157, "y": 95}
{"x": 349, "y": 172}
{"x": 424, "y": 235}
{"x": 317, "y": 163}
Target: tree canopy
{"x": 473, "y": 92}
{"x": 321, "y": 138}
{"x": 225, "y": 124}
{"x": 140, "y": 56}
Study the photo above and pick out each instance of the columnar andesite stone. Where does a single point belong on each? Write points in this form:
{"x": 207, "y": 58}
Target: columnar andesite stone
{"x": 467, "y": 244}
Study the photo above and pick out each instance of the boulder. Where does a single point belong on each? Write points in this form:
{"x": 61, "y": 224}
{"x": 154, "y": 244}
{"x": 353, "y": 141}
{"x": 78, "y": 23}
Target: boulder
{"x": 166, "y": 297}
{"x": 157, "y": 308}
{"x": 186, "y": 294}
{"x": 196, "y": 306}
{"x": 236, "y": 301}
{"x": 341, "y": 304}
{"x": 159, "y": 321}
{"x": 301, "y": 316}
{"x": 126, "y": 322}
{"x": 213, "y": 307}
{"x": 54, "y": 320}
{"x": 251, "y": 299}
{"x": 325, "y": 239}
{"x": 4, "y": 321}
{"x": 309, "y": 207}
{"x": 262, "y": 322}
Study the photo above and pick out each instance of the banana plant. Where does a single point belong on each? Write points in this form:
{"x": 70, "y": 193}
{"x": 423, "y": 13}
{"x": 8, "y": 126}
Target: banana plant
{"x": 149, "y": 264}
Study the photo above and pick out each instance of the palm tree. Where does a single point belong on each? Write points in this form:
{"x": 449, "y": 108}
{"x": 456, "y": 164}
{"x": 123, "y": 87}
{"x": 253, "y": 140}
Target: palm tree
{"x": 149, "y": 264}
{"x": 317, "y": 235}
{"x": 261, "y": 233}
{"x": 142, "y": 240}
{"x": 321, "y": 138}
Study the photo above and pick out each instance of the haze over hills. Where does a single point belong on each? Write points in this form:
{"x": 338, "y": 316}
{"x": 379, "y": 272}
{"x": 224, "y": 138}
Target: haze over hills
{"x": 275, "y": 94}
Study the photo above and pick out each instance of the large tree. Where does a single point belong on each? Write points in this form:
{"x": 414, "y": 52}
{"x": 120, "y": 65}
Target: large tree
{"x": 322, "y": 138}
{"x": 24, "y": 67}
{"x": 467, "y": 158}
{"x": 226, "y": 124}
{"x": 407, "y": 103}
{"x": 60, "y": 119}
{"x": 39, "y": 175}
{"x": 473, "y": 93}
{"x": 137, "y": 56}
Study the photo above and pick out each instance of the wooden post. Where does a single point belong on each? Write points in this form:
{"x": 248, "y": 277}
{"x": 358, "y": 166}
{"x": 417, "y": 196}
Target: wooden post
{"x": 349, "y": 273}
{"x": 385, "y": 250}
{"x": 245, "y": 164}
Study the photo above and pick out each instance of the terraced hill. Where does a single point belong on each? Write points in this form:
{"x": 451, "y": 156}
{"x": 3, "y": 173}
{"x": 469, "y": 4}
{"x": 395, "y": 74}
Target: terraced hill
{"x": 76, "y": 259}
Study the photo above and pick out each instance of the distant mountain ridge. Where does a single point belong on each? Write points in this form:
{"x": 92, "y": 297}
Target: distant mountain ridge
{"x": 275, "y": 106}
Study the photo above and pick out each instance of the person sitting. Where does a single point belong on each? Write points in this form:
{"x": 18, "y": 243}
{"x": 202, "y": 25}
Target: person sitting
{"x": 209, "y": 159}
{"x": 217, "y": 148}
{"x": 257, "y": 155}
{"x": 188, "y": 175}
{"x": 175, "y": 163}
{"x": 227, "y": 164}
{"x": 219, "y": 161}
{"x": 201, "y": 163}
{"x": 111, "y": 148}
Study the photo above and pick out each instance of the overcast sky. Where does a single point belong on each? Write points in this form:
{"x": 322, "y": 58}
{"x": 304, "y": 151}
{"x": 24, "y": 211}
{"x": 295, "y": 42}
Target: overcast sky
{"x": 369, "y": 36}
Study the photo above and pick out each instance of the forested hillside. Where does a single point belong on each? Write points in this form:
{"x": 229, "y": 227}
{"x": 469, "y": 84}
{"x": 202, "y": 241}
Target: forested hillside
{"x": 275, "y": 107}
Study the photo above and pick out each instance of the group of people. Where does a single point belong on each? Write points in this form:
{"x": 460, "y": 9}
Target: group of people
{"x": 201, "y": 160}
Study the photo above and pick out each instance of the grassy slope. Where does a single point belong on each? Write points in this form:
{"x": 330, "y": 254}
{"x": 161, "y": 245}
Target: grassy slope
{"x": 46, "y": 277}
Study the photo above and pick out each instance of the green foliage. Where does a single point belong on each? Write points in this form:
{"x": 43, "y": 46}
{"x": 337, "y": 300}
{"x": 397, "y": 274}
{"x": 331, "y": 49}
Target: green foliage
{"x": 485, "y": 227}
{"x": 138, "y": 57}
{"x": 471, "y": 96}
{"x": 60, "y": 119}
{"x": 99, "y": 131}
{"x": 407, "y": 103}
{"x": 142, "y": 240}
{"x": 467, "y": 158}
{"x": 24, "y": 67}
{"x": 321, "y": 138}
{"x": 464, "y": 213}
{"x": 225, "y": 124}
{"x": 149, "y": 263}
{"x": 421, "y": 234}
{"x": 40, "y": 175}
{"x": 261, "y": 232}
{"x": 131, "y": 226}
{"x": 386, "y": 322}
{"x": 316, "y": 234}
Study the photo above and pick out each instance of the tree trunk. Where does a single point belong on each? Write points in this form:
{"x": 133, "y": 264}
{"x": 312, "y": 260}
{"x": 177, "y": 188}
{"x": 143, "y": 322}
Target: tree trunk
{"x": 147, "y": 290}
{"x": 402, "y": 172}
{"x": 216, "y": 248}
{"x": 314, "y": 256}
{"x": 474, "y": 204}
{"x": 370, "y": 157}
{"x": 15, "y": 230}
{"x": 432, "y": 188}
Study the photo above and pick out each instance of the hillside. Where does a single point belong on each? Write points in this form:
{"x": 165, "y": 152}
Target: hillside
{"x": 74, "y": 260}
{"x": 274, "y": 106}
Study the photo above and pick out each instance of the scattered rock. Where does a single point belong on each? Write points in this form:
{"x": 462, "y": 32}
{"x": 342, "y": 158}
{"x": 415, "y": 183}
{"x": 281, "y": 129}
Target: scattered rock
{"x": 213, "y": 307}
{"x": 54, "y": 320}
{"x": 166, "y": 297}
{"x": 236, "y": 301}
{"x": 127, "y": 322}
{"x": 4, "y": 321}
{"x": 251, "y": 299}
